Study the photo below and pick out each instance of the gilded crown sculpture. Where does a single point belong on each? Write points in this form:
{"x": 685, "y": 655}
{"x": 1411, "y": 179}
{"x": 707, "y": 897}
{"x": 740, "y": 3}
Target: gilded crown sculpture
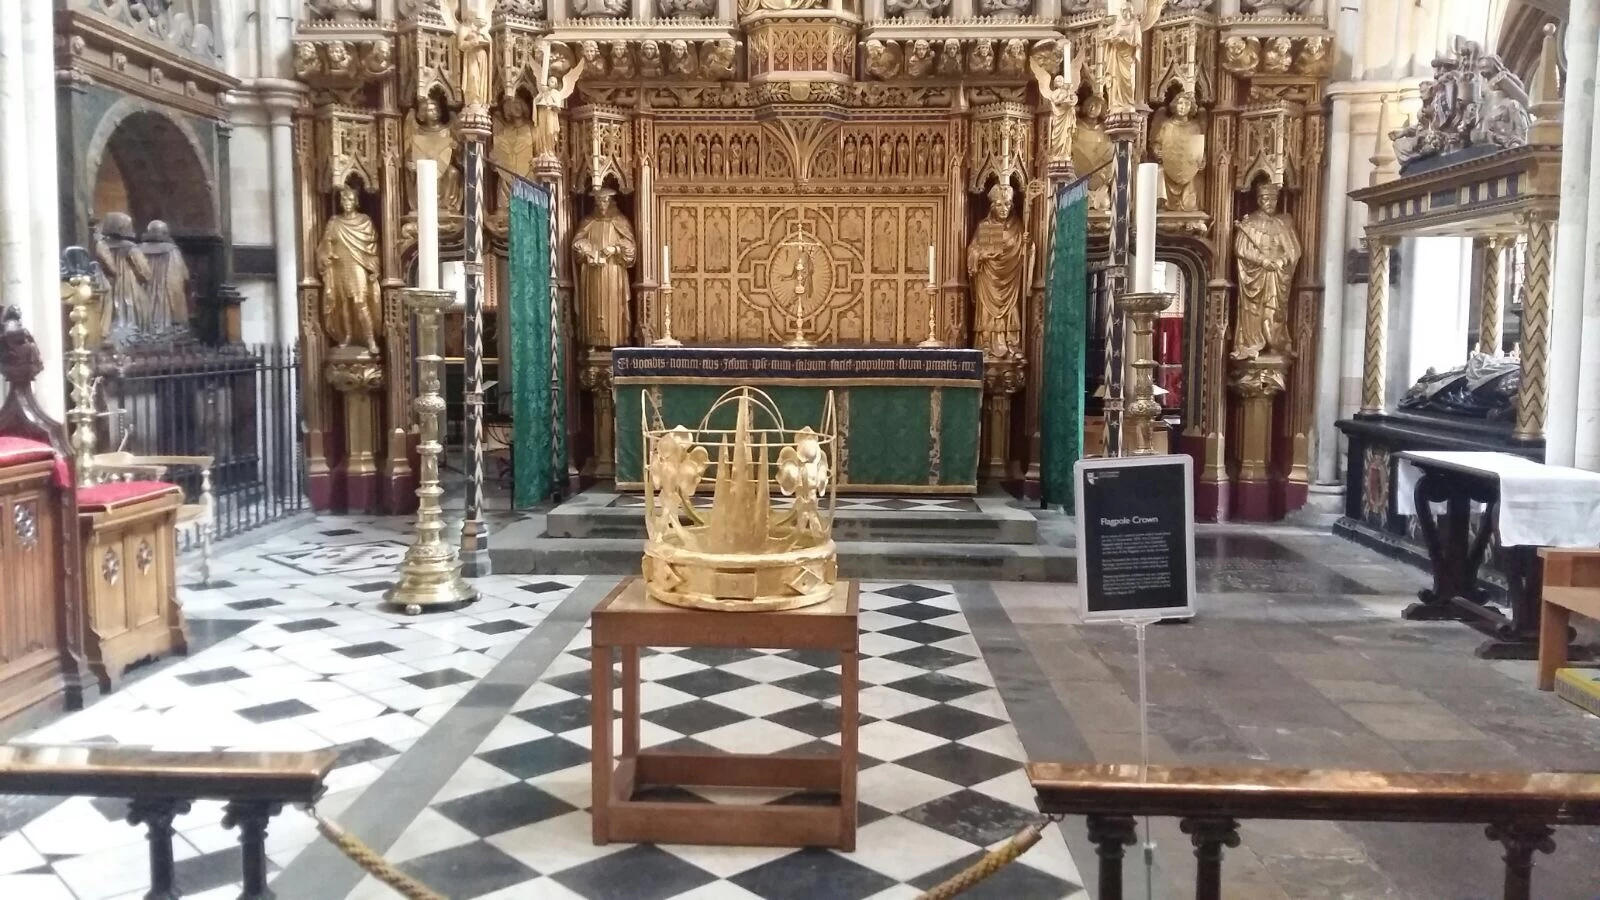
{"x": 742, "y": 553}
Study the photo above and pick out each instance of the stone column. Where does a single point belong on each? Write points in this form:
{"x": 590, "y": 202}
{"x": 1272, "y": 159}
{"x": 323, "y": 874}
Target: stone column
{"x": 1375, "y": 356}
{"x": 1573, "y": 430}
{"x": 1490, "y": 292}
{"x": 1535, "y": 345}
{"x": 38, "y": 146}
{"x": 1326, "y": 470}
{"x": 281, "y": 98}
{"x": 16, "y": 225}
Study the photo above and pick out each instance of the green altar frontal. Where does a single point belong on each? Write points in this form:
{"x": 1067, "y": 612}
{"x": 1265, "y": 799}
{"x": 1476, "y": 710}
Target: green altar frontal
{"x": 908, "y": 418}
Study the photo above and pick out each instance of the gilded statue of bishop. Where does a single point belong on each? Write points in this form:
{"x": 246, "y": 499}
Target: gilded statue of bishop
{"x": 347, "y": 263}
{"x": 604, "y": 249}
{"x": 1268, "y": 251}
{"x": 995, "y": 268}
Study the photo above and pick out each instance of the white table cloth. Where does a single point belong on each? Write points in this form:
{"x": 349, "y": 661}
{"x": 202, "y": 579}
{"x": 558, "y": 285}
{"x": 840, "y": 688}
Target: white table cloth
{"x": 1540, "y": 505}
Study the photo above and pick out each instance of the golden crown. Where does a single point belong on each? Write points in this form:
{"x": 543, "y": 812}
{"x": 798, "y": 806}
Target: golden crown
{"x": 741, "y": 554}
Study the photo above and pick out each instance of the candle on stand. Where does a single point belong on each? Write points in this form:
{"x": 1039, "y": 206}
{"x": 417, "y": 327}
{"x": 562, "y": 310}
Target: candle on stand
{"x": 666, "y": 266}
{"x": 1146, "y": 187}
{"x": 428, "y": 224}
{"x": 930, "y": 268}
{"x": 544, "y": 68}
{"x": 1066, "y": 60}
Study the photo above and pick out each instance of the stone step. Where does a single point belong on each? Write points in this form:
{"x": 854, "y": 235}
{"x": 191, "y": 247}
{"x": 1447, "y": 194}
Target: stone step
{"x": 511, "y": 553}
{"x": 591, "y": 515}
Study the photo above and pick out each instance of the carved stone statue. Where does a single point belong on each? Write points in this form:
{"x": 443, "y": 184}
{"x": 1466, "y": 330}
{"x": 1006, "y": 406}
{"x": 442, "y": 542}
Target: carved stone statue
{"x": 513, "y": 146}
{"x": 915, "y": 9}
{"x": 347, "y": 262}
{"x": 1504, "y": 119}
{"x": 688, "y": 9}
{"x": 604, "y": 249}
{"x": 717, "y": 58}
{"x": 1485, "y": 388}
{"x": 1124, "y": 42}
{"x": 1268, "y": 251}
{"x": 167, "y": 298}
{"x": 1180, "y": 147}
{"x": 1062, "y": 96}
{"x": 995, "y": 269}
{"x": 547, "y": 111}
{"x": 127, "y": 272}
{"x": 340, "y": 10}
{"x": 1091, "y": 150}
{"x": 1472, "y": 101}
{"x": 600, "y": 9}
{"x": 919, "y": 59}
{"x": 430, "y": 138}
{"x": 1005, "y": 7}
{"x": 473, "y": 42}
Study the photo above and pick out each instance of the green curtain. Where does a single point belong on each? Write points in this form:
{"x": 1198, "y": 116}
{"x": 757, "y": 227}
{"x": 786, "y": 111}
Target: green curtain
{"x": 538, "y": 394}
{"x": 1066, "y": 293}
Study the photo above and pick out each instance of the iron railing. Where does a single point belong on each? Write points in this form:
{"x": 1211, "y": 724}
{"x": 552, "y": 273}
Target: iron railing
{"x": 238, "y": 404}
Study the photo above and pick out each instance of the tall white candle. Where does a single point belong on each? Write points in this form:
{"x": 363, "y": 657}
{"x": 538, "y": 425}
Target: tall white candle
{"x": 544, "y": 68}
{"x": 428, "y": 224}
{"x": 666, "y": 266}
{"x": 1066, "y": 60}
{"x": 1144, "y": 225}
{"x": 930, "y": 267}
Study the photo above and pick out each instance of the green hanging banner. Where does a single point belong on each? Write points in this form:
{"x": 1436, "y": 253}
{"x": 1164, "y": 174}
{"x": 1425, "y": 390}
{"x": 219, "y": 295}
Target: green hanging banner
{"x": 538, "y": 391}
{"x": 1066, "y": 293}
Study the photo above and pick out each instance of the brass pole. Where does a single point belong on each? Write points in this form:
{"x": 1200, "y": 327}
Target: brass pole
{"x": 430, "y": 574}
{"x": 1141, "y": 409}
{"x": 78, "y": 291}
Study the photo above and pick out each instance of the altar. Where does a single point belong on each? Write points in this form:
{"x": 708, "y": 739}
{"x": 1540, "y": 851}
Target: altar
{"x": 908, "y": 418}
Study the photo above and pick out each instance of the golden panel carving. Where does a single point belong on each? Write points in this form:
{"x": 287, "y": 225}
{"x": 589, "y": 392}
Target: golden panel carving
{"x": 690, "y": 152}
{"x": 732, "y": 283}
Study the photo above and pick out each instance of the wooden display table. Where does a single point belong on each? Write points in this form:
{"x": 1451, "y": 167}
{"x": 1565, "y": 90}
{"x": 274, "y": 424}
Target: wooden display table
{"x": 628, "y": 620}
{"x": 1571, "y": 585}
{"x": 130, "y": 572}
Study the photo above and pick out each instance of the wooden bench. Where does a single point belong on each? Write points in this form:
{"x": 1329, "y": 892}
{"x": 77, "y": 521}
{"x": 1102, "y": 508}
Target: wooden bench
{"x": 1571, "y": 585}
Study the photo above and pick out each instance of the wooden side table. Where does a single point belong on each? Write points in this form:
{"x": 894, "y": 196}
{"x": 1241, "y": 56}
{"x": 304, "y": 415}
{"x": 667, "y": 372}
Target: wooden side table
{"x": 628, "y": 620}
{"x": 1571, "y": 585}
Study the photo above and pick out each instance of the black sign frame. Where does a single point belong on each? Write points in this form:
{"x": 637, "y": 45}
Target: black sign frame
{"x": 1101, "y": 489}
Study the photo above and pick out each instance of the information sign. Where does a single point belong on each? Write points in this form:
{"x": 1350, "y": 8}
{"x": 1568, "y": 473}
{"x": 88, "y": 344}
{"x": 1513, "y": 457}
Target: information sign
{"x": 1136, "y": 537}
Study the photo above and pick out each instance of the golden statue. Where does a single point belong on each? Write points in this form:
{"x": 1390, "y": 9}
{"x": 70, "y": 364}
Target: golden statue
{"x": 604, "y": 249}
{"x": 473, "y": 42}
{"x": 1268, "y": 251}
{"x": 513, "y": 146}
{"x": 430, "y": 138}
{"x": 1062, "y": 95}
{"x": 1092, "y": 152}
{"x": 1180, "y": 147}
{"x": 347, "y": 263}
{"x": 547, "y": 109}
{"x": 995, "y": 267}
{"x": 1124, "y": 41}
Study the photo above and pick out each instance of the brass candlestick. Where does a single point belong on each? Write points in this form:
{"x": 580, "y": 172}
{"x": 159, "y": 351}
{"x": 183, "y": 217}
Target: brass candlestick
{"x": 430, "y": 575}
{"x": 933, "y": 341}
{"x": 78, "y": 291}
{"x": 1141, "y": 410}
{"x": 799, "y": 339}
{"x": 666, "y": 339}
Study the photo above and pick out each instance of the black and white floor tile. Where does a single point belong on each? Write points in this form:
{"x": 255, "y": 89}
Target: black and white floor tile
{"x": 941, "y": 776}
{"x": 856, "y": 503}
{"x": 313, "y": 662}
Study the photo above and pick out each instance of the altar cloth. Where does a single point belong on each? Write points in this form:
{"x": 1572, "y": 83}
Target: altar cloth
{"x": 1540, "y": 505}
{"x": 908, "y": 417}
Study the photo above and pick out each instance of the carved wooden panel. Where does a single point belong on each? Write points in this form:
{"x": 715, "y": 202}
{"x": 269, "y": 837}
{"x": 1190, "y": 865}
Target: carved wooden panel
{"x": 868, "y": 155}
{"x": 33, "y": 586}
{"x": 733, "y": 276}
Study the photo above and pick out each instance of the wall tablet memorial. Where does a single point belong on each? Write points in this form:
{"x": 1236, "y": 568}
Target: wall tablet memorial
{"x": 908, "y": 417}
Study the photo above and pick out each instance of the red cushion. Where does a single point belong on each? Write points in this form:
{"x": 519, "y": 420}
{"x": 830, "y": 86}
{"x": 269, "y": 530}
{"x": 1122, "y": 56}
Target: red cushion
{"x": 100, "y": 497}
{"x": 16, "y": 451}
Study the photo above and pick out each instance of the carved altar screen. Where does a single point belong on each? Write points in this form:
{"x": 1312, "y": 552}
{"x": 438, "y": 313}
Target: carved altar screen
{"x": 732, "y": 272}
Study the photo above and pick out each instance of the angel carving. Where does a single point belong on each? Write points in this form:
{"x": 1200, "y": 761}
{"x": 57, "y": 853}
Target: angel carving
{"x": 552, "y": 99}
{"x": 676, "y": 466}
{"x": 1124, "y": 42}
{"x": 1062, "y": 95}
{"x": 803, "y": 474}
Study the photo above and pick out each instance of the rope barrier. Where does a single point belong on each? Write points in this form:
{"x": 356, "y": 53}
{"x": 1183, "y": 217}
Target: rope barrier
{"x": 375, "y": 865}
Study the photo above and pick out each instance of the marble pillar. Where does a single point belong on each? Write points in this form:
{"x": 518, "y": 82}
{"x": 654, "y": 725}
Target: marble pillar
{"x": 1326, "y": 469}
{"x": 1533, "y": 398}
{"x": 1572, "y": 432}
{"x": 281, "y": 99}
{"x": 1490, "y": 293}
{"x": 1375, "y": 357}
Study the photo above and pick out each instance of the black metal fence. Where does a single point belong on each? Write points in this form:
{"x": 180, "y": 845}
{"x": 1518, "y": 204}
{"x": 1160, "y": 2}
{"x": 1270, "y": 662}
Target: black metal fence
{"x": 238, "y": 404}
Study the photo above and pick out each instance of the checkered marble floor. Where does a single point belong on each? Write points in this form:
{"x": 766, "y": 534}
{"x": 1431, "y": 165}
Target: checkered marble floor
{"x": 907, "y": 503}
{"x": 941, "y": 774}
{"x": 312, "y": 662}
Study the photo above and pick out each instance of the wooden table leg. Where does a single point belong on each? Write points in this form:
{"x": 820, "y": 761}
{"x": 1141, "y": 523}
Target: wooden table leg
{"x": 1518, "y": 636}
{"x": 849, "y": 742}
{"x": 1454, "y": 553}
{"x": 630, "y": 702}
{"x": 1553, "y": 622}
{"x": 600, "y": 760}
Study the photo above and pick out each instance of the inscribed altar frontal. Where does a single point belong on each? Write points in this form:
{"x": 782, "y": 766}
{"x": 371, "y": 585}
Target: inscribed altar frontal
{"x": 907, "y": 417}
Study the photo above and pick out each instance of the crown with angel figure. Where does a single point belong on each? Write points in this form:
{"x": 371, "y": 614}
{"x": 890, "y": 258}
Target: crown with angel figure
{"x": 746, "y": 551}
